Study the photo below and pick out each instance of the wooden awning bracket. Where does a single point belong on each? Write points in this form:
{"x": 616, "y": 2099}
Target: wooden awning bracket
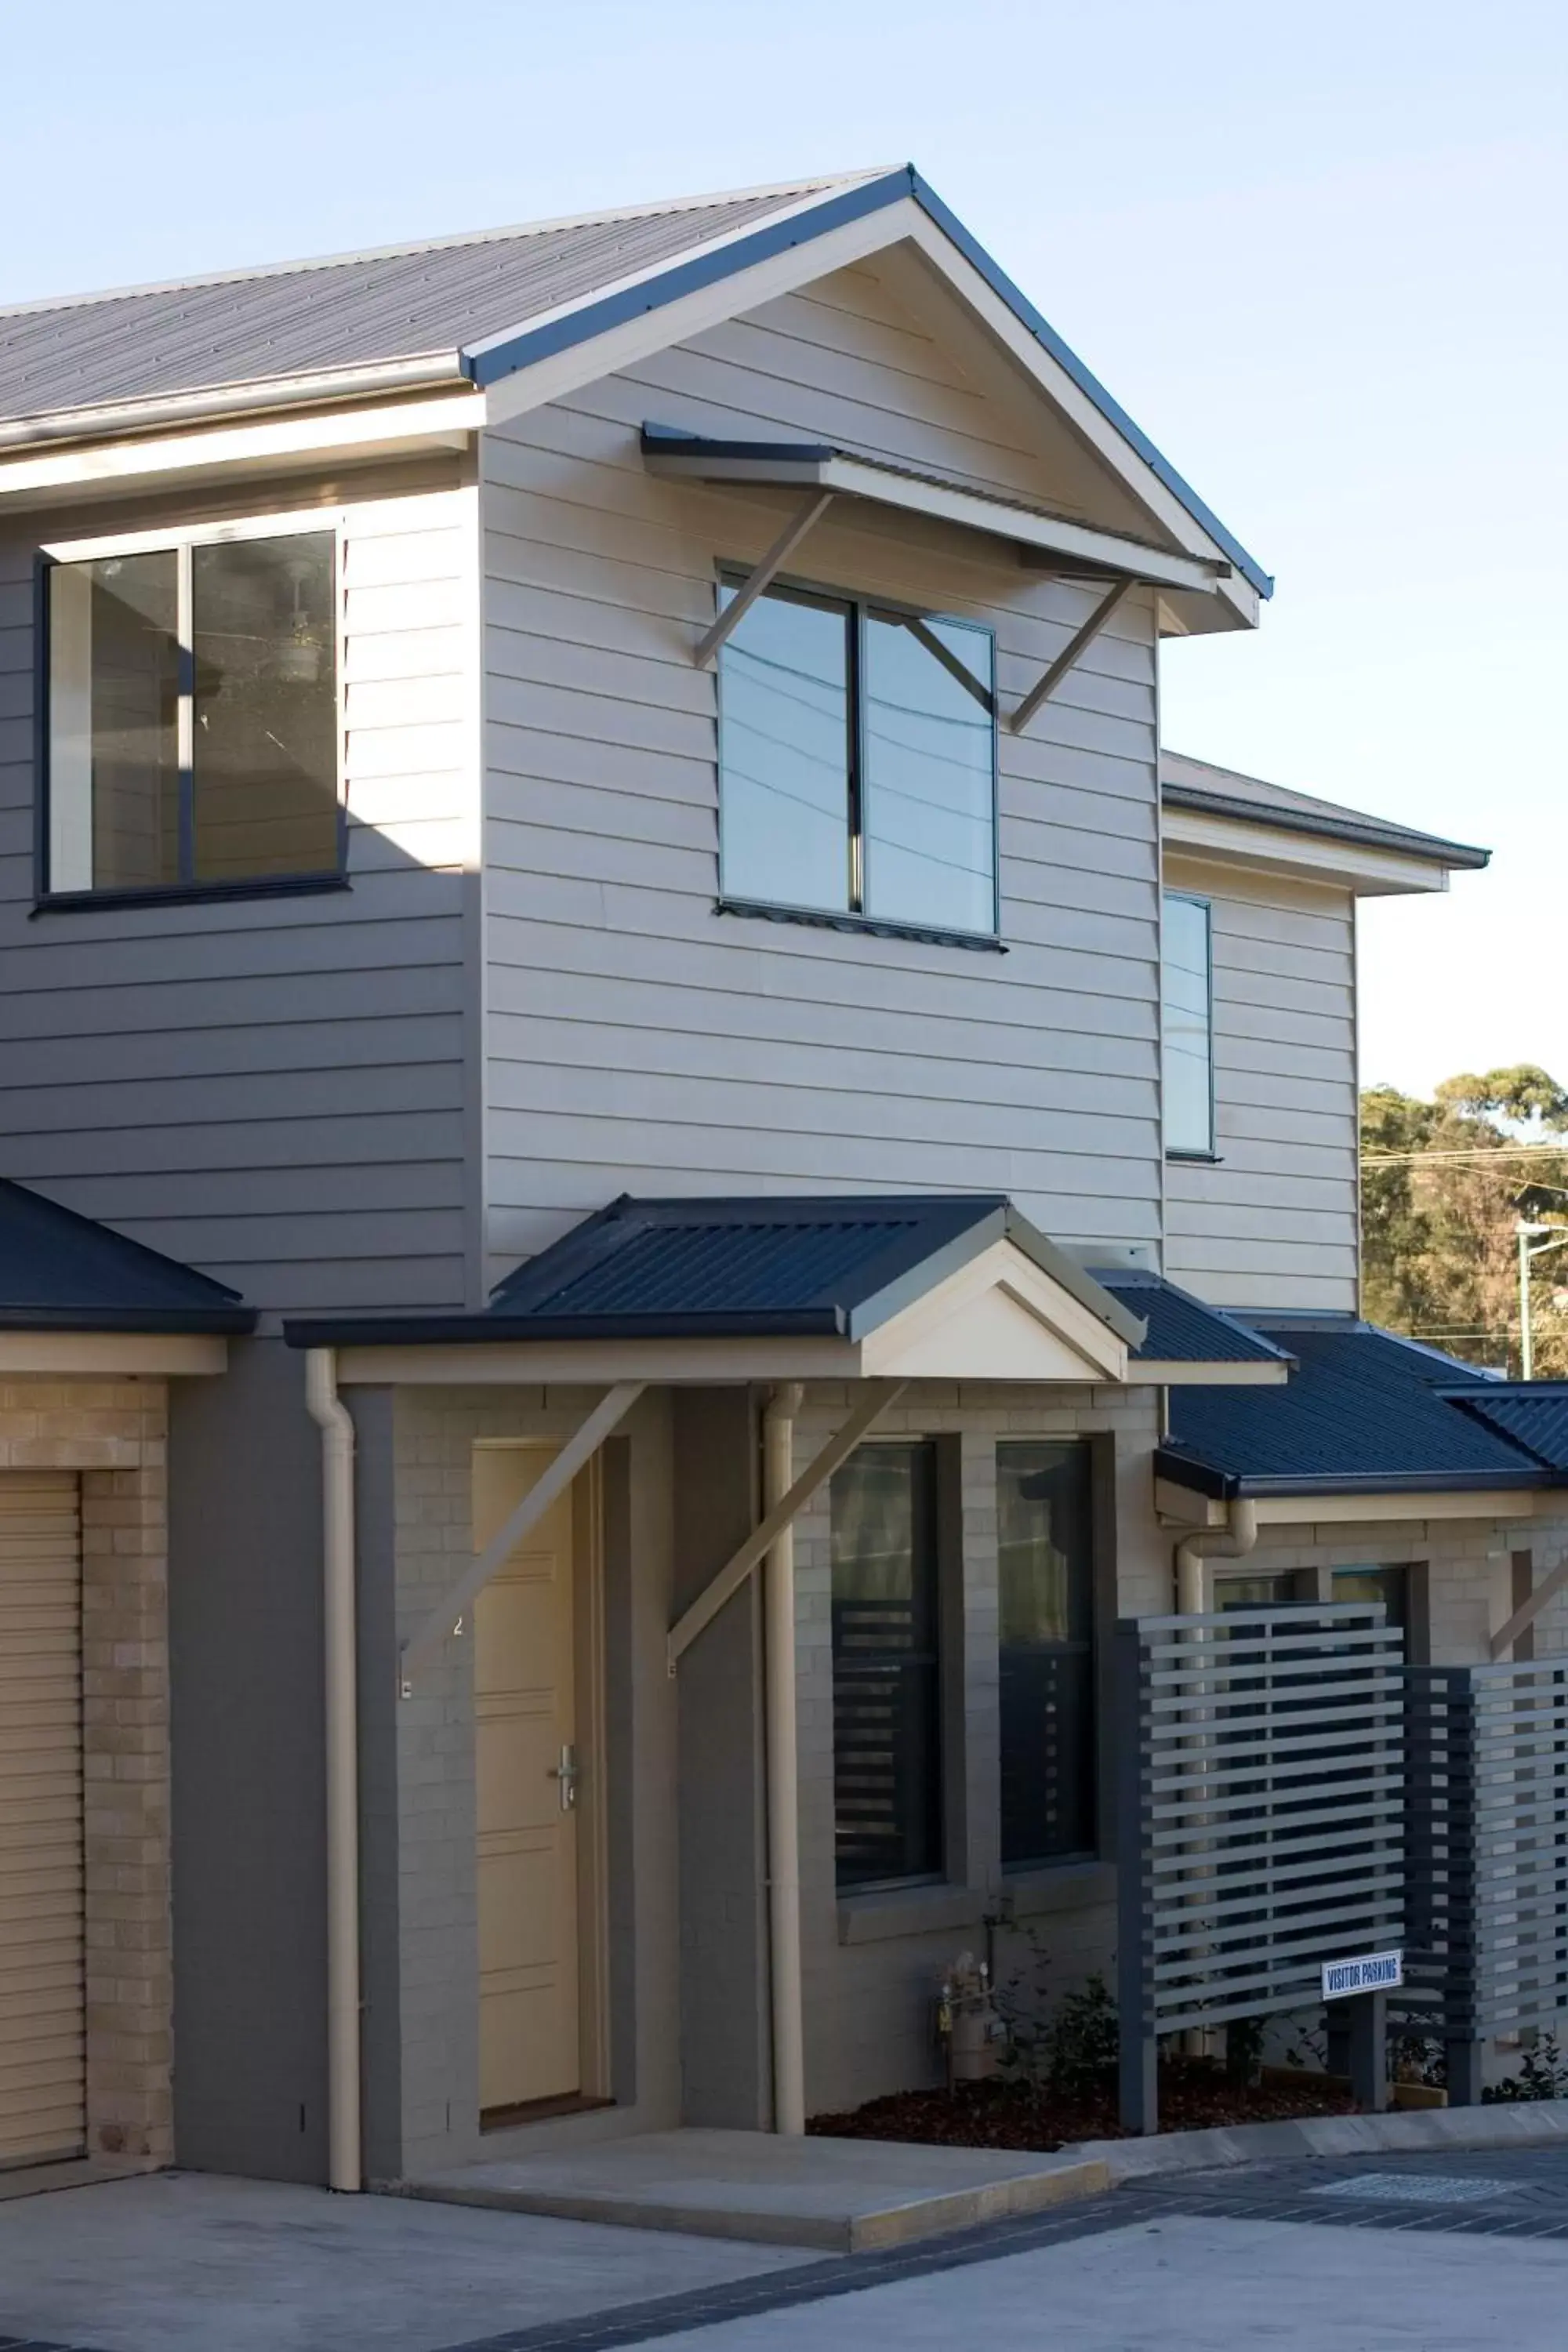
{"x": 1075, "y": 648}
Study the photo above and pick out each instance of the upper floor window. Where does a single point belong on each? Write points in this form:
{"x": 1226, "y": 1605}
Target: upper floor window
{"x": 1188, "y": 1025}
{"x": 857, "y": 763}
{"x": 193, "y": 715}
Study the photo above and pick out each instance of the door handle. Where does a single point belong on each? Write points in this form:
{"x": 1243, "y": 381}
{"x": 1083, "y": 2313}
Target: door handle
{"x": 565, "y": 1775}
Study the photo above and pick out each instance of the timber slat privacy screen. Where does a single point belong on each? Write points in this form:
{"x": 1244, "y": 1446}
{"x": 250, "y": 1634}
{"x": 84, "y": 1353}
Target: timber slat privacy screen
{"x": 1261, "y": 1827}
{"x": 1487, "y": 1850}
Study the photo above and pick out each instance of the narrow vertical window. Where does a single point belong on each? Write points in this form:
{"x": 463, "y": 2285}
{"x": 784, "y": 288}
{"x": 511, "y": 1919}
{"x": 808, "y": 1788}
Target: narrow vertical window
{"x": 1188, "y": 1025}
{"x": 193, "y": 715}
{"x": 1046, "y": 1644}
{"x": 929, "y": 817}
{"x": 886, "y": 1697}
{"x": 784, "y": 753}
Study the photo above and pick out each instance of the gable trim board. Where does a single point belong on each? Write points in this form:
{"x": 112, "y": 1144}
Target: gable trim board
{"x": 600, "y": 330}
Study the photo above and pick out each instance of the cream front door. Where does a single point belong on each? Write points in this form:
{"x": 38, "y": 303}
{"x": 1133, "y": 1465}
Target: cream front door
{"x": 525, "y": 1734}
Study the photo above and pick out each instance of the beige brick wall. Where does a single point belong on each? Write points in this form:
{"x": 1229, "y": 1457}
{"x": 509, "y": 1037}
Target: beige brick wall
{"x": 114, "y": 1432}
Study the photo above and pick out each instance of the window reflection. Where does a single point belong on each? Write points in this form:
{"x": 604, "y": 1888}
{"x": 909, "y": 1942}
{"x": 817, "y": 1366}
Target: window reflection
{"x": 930, "y": 814}
{"x": 1188, "y": 1025}
{"x": 784, "y": 753}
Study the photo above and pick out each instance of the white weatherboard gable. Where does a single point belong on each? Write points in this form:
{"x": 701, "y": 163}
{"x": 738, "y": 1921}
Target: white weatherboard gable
{"x": 1001, "y": 1317}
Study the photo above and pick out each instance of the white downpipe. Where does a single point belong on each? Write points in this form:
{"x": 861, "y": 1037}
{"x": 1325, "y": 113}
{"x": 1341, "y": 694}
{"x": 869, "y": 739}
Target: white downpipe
{"x": 332, "y": 1417}
{"x": 783, "y": 1776}
{"x": 1234, "y": 1541}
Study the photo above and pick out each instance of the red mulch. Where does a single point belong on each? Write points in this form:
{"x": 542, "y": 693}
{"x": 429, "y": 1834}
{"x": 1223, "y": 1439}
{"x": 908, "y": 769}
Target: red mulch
{"x": 1194, "y": 2094}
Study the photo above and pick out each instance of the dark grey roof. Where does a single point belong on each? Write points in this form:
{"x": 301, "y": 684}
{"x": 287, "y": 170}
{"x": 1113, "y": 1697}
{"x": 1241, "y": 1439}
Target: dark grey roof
{"x": 489, "y": 303}
{"x": 1180, "y": 1329}
{"x": 356, "y": 309}
{"x": 1530, "y": 1413}
{"x": 1209, "y": 790}
{"x": 834, "y": 1267}
{"x": 59, "y": 1272}
{"x": 1363, "y": 1411}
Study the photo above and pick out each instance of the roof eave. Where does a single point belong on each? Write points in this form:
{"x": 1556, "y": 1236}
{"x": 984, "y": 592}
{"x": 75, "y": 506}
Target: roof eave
{"x": 218, "y": 1322}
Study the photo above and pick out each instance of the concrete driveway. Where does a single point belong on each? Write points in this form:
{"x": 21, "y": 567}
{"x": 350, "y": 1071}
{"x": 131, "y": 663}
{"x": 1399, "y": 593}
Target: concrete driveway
{"x": 191, "y": 2263}
{"x": 1457, "y": 2253}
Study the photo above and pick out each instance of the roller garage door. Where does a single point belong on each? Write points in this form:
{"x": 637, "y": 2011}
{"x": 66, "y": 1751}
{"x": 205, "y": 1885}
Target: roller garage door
{"x": 42, "y": 1945}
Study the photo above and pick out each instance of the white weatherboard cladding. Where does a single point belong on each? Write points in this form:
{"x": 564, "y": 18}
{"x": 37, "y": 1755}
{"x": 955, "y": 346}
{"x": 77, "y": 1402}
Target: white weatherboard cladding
{"x": 638, "y": 1040}
{"x": 270, "y": 1088}
{"x": 1273, "y": 1223}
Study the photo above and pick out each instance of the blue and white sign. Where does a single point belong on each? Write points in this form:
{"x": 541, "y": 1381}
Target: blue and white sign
{"x": 1372, "y": 1972}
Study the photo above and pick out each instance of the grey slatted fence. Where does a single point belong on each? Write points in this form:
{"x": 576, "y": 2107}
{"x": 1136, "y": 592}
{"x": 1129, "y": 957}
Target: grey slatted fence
{"x": 1488, "y": 1854}
{"x": 1261, "y": 1829}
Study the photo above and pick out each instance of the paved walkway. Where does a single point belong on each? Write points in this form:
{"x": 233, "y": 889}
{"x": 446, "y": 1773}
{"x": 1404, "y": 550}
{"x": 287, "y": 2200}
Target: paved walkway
{"x": 1449, "y": 2253}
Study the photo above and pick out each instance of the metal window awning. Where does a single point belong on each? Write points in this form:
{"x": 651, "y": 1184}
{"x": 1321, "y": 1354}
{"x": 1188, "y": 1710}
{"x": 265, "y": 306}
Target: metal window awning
{"x": 823, "y": 474}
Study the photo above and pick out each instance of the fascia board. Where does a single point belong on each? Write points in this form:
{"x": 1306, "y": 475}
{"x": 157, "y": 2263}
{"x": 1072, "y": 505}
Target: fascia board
{"x": 1092, "y": 418}
{"x": 365, "y": 432}
{"x": 571, "y": 352}
{"x": 1270, "y": 848}
{"x": 120, "y": 1354}
{"x": 1195, "y": 511}
{"x": 1217, "y": 1374}
{"x": 1505, "y": 1503}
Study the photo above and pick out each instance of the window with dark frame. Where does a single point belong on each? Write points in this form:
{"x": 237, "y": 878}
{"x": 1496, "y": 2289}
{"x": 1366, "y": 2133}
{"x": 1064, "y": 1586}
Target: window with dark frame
{"x": 1045, "y": 1505}
{"x": 887, "y": 1681}
{"x": 1186, "y": 1003}
{"x": 193, "y": 717}
{"x": 858, "y": 763}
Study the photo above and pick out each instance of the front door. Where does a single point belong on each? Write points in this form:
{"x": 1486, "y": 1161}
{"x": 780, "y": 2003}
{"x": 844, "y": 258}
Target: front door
{"x": 525, "y": 1734}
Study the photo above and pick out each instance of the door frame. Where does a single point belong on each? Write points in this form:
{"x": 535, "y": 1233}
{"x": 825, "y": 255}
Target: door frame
{"x": 592, "y": 1810}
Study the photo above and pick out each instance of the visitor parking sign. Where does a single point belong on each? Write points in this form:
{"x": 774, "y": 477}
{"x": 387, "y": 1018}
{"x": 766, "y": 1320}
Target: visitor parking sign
{"x": 1372, "y": 1972}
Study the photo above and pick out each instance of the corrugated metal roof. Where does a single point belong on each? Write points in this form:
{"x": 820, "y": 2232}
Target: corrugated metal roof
{"x": 59, "y": 1272}
{"x": 349, "y": 311}
{"x": 1532, "y": 1413}
{"x": 1363, "y": 1409}
{"x": 1181, "y": 1329}
{"x": 835, "y": 1265}
{"x": 1198, "y": 785}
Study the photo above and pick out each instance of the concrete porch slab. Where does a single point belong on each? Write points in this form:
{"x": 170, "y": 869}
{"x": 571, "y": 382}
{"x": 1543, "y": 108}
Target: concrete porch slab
{"x": 840, "y": 2196}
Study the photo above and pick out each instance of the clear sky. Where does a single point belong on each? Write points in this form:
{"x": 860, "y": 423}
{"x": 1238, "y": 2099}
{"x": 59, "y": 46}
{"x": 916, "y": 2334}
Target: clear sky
{"x": 1318, "y": 252}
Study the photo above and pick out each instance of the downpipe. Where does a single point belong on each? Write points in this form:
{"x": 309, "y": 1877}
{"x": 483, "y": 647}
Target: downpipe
{"x": 327, "y": 1410}
{"x": 784, "y": 1775}
{"x": 1233, "y": 1541}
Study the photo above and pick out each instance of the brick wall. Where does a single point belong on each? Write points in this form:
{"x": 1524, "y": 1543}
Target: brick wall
{"x": 115, "y": 1433}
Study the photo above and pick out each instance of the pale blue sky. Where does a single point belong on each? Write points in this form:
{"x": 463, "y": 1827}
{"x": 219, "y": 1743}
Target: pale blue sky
{"x": 1318, "y": 253}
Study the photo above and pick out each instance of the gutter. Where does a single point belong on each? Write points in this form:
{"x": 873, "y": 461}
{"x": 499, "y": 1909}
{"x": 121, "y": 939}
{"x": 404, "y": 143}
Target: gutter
{"x": 345, "y": 2165}
{"x": 434, "y": 370}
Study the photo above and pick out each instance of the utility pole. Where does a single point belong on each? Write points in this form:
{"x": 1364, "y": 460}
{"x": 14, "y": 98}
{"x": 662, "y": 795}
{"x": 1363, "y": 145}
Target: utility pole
{"x": 1529, "y": 1233}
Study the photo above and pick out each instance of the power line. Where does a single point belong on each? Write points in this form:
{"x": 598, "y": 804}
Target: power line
{"x": 1479, "y": 1151}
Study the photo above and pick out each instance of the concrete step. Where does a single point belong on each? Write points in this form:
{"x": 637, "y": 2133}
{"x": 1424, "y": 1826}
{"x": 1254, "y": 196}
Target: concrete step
{"x": 838, "y": 2195}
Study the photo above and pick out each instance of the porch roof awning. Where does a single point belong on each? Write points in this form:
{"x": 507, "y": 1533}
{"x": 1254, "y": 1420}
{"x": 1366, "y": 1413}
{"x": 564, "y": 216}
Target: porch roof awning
{"x": 1186, "y": 1342}
{"x": 860, "y": 1286}
{"x": 64, "y": 1273}
{"x": 1366, "y": 1411}
{"x": 1072, "y": 546}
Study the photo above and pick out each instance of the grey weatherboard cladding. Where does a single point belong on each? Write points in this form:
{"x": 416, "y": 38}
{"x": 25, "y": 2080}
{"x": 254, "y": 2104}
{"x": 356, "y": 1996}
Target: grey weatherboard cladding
{"x": 59, "y": 1272}
{"x": 1363, "y": 1409}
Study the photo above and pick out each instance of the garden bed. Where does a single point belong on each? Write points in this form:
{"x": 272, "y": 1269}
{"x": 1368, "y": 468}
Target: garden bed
{"x": 1196, "y": 2094}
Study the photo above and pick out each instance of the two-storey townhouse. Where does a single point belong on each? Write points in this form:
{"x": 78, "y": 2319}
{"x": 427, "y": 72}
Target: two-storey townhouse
{"x": 611, "y": 1015}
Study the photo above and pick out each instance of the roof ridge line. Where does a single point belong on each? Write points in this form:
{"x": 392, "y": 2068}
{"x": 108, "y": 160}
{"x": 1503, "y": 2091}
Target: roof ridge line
{"x": 406, "y": 247}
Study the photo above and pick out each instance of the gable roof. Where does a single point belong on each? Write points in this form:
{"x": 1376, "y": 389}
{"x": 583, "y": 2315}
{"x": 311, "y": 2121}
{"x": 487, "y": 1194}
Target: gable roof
{"x": 59, "y": 1272}
{"x": 836, "y": 1267}
{"x": 1198, "y": 785}
{"x": 1364, "y": 1410}
{"x": 473, "y": 309}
